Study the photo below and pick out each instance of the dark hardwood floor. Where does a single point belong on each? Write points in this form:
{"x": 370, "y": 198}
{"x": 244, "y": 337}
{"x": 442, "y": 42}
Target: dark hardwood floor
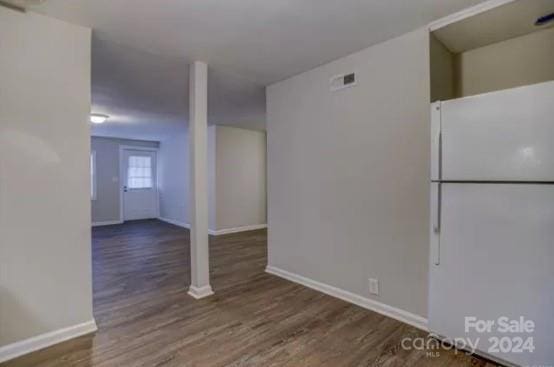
{"x": 146, "y": 318}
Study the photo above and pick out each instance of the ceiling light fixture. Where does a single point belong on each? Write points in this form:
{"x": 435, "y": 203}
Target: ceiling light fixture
{"x": 97, "y": 118}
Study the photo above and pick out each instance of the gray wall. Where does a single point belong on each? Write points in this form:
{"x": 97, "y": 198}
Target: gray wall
{"x": 45, "y": 254}
{"x": 238, "y": 177}
{"x": 512, "y": 63}
{"x": 442, "y": 71}
{"x": 348, "y": 173}
{"x": 173, "y": 178}
{"x": 106, "y": 207}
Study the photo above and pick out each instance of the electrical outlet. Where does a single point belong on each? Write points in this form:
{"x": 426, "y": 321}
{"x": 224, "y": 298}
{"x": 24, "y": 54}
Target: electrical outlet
{"x": 374, "y": 286}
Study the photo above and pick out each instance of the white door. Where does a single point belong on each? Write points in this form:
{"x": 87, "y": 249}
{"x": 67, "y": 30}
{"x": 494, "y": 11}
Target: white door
{"x": 139, "y": 184}
{"x": 496, "y": 260}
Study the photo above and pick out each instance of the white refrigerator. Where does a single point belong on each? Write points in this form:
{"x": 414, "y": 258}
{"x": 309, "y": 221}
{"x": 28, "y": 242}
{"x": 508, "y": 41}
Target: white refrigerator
{"x": 492, "y": 224}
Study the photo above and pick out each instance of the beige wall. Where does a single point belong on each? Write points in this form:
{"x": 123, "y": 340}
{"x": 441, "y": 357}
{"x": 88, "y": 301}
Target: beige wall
{"x": 45, "y": 238}
{"x": 442, "y": 71}
{"x": 212, "y": 187}
{"x": 106, "y": 207}
{"x": 240, "y": 177}
{"x": 173, "y": 178}
{"x": 348, "y": 173}
{"x": 515, "y": 62}
{"x": 236, "y": 178}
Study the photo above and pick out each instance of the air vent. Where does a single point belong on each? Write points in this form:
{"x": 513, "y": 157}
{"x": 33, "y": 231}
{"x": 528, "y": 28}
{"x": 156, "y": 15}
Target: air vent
{"x": 20, "y": 5}
{"x": 545, "y": 20}
{"x": 343, "y": 81}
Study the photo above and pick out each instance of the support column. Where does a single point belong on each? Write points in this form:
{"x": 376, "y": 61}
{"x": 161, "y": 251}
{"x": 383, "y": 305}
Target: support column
{"x": 198, "y": 141}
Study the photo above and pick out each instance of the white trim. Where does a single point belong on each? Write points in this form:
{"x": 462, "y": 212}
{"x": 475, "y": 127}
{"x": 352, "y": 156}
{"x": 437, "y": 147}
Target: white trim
{"x": 108, "y": 223}
{"x": 120, "y": 184}
{"x": 467, "y": 13}
{"x": 253, "y": 227}
{"x": 94, "y": 175}
{"x": 199, "y": 293}
{"x": 134, "y": 147}
{"x": 122, "y": 177}
{"x": 18, "y": 349}
{"x": 392, "y": 312}
{"x": 175, "y": 222}
{"x": 214, "y": 232}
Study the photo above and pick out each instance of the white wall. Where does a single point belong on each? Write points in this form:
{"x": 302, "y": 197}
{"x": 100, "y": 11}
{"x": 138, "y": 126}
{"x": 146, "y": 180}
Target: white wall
{"x": 45, "y": 238}
{"x": 106, "y": 207}
{"x": 348, "y": 173}
{"x": 173, "y": 178}
{"x": 236, "y": 178}
{"x": 240, "y": 178}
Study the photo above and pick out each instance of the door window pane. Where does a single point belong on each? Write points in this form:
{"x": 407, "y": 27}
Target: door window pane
{"x": 139, "y": 172}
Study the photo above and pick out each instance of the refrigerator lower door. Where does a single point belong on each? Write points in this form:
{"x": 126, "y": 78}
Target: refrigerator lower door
{"x": 496, "y": 267}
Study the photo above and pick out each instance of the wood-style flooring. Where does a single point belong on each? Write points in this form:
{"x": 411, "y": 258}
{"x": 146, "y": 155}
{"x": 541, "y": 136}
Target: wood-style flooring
{"x": 146, "y": 318}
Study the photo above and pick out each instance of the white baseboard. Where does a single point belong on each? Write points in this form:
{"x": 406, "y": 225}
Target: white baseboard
{"x": 220, "y": 232}
{"x": 109, "y": 223}
{"x": 18, "y": 349}
{"x": 392, "y": 312}
{"x": 175, "y": 222}
{"x": 199, "y": 293}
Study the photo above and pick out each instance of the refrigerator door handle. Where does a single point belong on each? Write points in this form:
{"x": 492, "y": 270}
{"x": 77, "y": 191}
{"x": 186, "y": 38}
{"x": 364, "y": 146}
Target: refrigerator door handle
{"x": 436, "y": 223}
{"x": 436, "y": 141}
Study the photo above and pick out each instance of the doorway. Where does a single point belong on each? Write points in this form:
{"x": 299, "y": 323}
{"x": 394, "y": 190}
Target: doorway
{"x": 139, "y": 188}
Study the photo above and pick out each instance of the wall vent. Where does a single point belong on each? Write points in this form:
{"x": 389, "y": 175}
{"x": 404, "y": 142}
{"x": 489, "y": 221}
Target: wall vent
{"x": 343, "y": 81}
{"x": 20, "y": 5}
{"x": 544, "y": 20}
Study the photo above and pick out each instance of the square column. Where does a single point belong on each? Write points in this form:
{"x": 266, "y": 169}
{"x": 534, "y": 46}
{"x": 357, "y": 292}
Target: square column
{"x": 198, "y": 141}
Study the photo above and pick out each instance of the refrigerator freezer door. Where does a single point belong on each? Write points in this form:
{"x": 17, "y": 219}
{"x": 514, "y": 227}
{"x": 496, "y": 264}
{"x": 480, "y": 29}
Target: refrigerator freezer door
{"x": 496, "y": 260}
{"x": 500, "y": 136}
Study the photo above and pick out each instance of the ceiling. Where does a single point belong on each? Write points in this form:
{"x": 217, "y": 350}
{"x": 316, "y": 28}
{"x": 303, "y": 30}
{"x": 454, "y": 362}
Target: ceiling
{"x": 508, "y": 21}
{"x": 265, "y": 41}
{"x": 146, "y": 95}
{"x": 142, "y": 48}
